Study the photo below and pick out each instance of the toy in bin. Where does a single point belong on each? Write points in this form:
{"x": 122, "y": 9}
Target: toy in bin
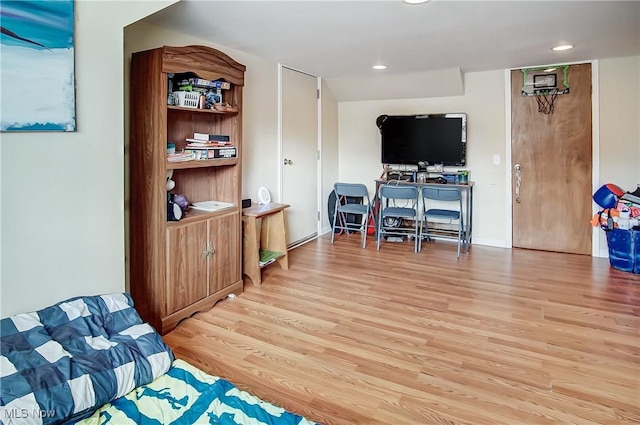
{"x": 611, "y": 218}
{"x": 607, "y": 196}
{"x": 620, "y": 208}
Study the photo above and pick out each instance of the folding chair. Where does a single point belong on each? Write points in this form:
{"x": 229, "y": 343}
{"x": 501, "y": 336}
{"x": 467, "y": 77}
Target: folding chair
{"x": 450, "y": 195}
{"x": 345, "y": 192}
{"x": 397, "y": 204}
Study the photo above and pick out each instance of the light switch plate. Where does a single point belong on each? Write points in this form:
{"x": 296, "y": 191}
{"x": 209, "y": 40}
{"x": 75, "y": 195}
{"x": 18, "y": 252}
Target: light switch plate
{"x": 496, "y": 159}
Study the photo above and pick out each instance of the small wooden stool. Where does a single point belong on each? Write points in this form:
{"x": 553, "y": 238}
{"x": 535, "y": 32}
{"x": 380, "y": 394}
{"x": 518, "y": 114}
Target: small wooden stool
{"x": 271, "y": 242}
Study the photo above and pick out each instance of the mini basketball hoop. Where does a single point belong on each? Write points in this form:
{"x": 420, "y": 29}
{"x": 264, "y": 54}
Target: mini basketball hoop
{"x": 545, "y": 84}
{"x": 546, "y": 99}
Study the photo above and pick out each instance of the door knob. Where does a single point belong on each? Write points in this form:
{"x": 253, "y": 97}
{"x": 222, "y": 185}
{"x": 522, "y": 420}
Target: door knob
{"x": 518, "y": 175}
{"x": 288, "y": 162}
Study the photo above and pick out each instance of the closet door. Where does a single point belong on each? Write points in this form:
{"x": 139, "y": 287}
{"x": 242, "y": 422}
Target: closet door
{"x": 552, "y": 204}
{"x": 300, "y": 154}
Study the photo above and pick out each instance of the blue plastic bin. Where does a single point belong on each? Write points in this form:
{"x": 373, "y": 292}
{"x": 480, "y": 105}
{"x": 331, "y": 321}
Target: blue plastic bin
{"x": 450, "y": 177}
{"x": 624, "y": 249}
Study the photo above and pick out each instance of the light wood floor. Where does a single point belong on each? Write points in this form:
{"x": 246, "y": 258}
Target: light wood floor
{"x": 353, "y": 336}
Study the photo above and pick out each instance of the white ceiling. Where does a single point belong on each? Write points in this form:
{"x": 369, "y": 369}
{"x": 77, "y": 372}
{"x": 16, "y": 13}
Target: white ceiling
{"x": 341, "y": 40}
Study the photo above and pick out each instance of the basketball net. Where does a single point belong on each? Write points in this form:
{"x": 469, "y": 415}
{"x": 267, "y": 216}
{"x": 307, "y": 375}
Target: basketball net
{"x": 546, "y": 99}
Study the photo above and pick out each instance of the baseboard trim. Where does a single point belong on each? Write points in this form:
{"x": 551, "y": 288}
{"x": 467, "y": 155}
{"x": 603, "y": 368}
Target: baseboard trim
{"x": 498, "y": 243}
{"x": 302, "y": 241}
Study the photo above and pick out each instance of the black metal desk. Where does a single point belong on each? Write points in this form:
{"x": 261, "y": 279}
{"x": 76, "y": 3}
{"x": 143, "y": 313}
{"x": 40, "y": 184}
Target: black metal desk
{"x": 467, "y": 193}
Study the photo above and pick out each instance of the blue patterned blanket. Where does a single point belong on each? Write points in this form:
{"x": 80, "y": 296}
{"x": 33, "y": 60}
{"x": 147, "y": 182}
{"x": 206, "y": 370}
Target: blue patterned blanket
{"x": 187, "y": 395}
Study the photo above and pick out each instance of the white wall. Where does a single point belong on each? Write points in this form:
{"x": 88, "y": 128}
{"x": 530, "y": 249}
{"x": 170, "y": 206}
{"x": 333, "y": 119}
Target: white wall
{"x": 619, "y": 125}
{"x": 483, "y": 101}
{"x": 329, "y": 153}
{"x": 62, "y": 193}
{"x": 620, "y": 121}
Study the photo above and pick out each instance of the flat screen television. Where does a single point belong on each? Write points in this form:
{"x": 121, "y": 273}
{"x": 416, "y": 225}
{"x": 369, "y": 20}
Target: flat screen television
{"x": 431, "y": 139}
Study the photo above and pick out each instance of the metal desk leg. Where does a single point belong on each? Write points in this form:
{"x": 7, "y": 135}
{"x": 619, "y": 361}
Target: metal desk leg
{"x": 469, "y": 217}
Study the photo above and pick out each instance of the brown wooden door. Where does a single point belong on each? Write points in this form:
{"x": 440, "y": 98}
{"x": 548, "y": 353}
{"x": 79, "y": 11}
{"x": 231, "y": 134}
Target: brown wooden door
{"x": 554, "y": 152}
{"x": 186, "y": 265}
{"x": 224, "y": 264}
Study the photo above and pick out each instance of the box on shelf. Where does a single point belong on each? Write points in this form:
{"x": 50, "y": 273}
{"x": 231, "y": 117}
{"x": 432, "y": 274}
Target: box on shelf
{"x": 624, "y": 249}
{"x": 186, "y": 99}
{"x": 189, "y": 83}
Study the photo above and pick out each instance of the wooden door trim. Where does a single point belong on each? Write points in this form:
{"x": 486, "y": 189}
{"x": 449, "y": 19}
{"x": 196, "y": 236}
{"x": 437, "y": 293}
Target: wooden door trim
{"x": 598, "y": 247}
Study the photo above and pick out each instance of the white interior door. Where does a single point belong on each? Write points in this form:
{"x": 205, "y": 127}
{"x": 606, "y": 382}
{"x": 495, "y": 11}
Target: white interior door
{"x": 299, "y": 124}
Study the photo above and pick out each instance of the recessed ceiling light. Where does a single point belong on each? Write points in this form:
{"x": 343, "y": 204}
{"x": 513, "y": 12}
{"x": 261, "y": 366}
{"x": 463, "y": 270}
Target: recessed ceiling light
{"x": 562, "y": 47}
{"x": 379, "y": 66}
{"x": 549, "y": 70}
{"x": 415, "y": 1}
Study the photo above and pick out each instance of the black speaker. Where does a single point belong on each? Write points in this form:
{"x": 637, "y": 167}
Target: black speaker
{"x": 380, "y": 120}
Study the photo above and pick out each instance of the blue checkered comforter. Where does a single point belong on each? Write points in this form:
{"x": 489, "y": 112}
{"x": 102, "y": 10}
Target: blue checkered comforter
{"x": 65, "y": 361}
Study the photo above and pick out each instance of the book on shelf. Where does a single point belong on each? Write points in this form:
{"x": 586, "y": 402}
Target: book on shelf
{"x": 268, "y": 257}
{"x": 180, "y": 157}
{"x": 212, "y": 152}
{"x": 211, "y": 137}
{"x": 194, "y": 143}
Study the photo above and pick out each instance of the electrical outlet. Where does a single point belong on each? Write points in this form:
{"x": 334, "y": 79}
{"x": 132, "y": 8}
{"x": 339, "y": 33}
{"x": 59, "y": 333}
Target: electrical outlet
{"x": 496, "y": 159}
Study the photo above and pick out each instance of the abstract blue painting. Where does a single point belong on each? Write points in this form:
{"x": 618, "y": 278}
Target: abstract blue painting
{"x": 37, "y": 65}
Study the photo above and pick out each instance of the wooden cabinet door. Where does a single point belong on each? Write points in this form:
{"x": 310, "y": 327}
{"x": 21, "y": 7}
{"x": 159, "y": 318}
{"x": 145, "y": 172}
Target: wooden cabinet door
{"x": 224, "y": 263}
{"x": 186, "y": 265}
